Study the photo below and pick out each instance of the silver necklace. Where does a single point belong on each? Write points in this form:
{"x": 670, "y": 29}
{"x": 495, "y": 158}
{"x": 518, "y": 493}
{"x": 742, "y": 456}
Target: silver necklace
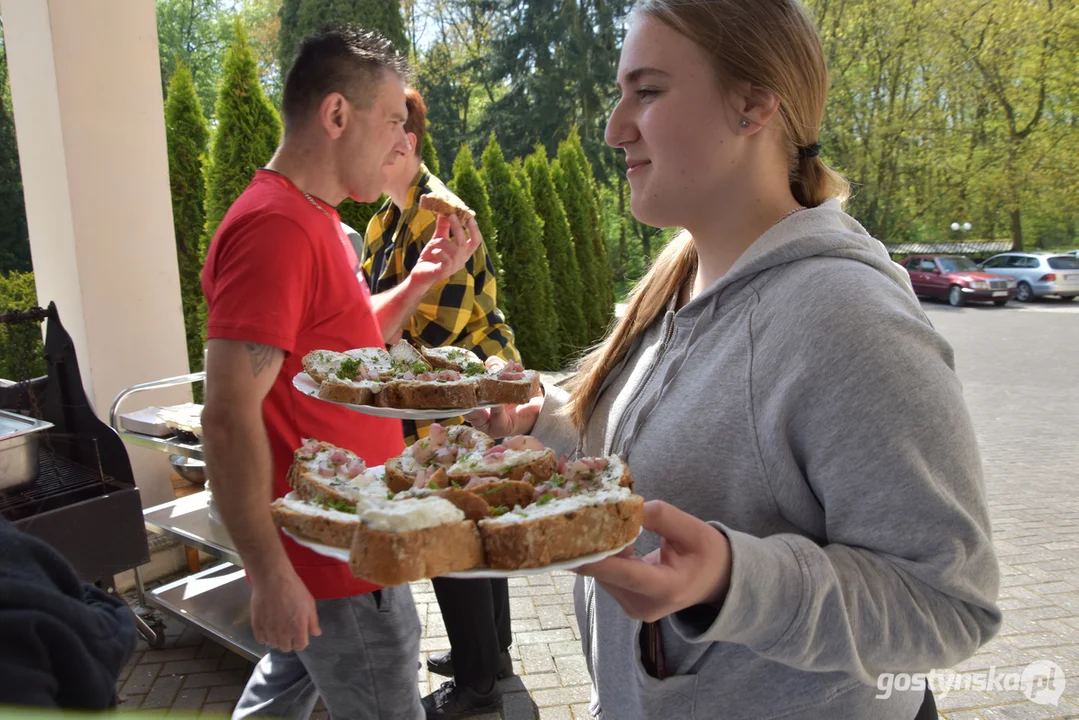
{"x": 315, "y": 203}
{"x": 785, "y": 216}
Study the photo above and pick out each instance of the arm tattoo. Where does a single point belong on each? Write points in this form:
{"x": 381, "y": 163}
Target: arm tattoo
{"x": 261, "y": 356}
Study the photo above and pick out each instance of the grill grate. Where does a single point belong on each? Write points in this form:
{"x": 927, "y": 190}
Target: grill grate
{"x": 60, "y": 482}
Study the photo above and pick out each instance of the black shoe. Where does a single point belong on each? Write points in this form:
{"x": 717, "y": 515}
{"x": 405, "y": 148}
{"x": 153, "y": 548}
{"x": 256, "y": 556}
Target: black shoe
{"x": 450, "y": 702}
{"x": 442, "y": 664}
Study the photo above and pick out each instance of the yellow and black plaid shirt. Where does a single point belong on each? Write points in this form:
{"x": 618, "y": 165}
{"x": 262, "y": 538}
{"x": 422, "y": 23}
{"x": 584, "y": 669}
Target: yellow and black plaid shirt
{"x": 461, "y": 310}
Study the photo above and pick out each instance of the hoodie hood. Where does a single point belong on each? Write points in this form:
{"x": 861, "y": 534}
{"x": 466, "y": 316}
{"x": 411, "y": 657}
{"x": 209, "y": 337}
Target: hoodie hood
{"x": 823, "y": 231}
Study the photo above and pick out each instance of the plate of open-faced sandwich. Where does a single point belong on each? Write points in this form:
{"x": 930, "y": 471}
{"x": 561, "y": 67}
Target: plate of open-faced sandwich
{"x": 456, "y": 504}
{"x": 414, "y": 383}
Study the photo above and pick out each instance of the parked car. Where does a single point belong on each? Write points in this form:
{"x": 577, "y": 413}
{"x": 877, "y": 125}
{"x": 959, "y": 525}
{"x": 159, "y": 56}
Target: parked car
{"x": 1038, "y": 273}
{"x": 1073, "y": 253}
{"x": 956, "y": 279}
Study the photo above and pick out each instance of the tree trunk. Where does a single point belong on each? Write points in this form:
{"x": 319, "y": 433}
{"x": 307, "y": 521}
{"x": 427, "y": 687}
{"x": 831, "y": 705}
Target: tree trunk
{"x": 1017, "y": 230}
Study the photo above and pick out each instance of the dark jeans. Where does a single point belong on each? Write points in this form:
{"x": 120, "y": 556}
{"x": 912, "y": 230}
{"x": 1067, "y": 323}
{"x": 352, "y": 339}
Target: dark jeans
{"x": 477, "y": 616}
{"x": 928, "y": 710}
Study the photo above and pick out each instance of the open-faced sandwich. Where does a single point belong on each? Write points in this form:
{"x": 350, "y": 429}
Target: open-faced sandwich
{"x": 447, "y": 204}
{"x": 407, "y": 377}
{"x": 392, "y": 540}
{"x": 586, "y": 508}
{"x": 437, "y": 522}
{"x": 465, "y": 453}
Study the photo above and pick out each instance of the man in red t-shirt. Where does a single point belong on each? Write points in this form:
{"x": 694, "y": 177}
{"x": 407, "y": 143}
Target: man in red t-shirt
{"x": 279, "y": 282}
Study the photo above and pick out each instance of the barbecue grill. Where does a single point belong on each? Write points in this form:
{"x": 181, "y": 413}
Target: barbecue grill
{"x": 84, "y": 501}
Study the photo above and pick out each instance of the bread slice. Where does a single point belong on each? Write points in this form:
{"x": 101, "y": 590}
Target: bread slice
{"x": 360, "y": 364}
{"x": 441, "y": 448}
{"x": 323, "y": 473}
{"x": 473, "y": 506}
{"x": 400, "y": 541}
{"x": 408, "y": 357}
{"x": 424, "y": 394}
{"x": 507, "y": 494}
{"x": 389, "y": 559}
{"x": 354, "y": 392}
{"x": 451, "y": 358}
{"x": 311, "y": 520}
{"x": 562, "y": 529}
{"x": 502, "y": 461}
{"x": 586, "y": 475}
{"x": 447, "y": 205}
{"x": 491, "y": 389}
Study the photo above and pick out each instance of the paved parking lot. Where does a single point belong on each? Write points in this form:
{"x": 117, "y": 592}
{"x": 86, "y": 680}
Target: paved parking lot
{"x": 1020, "y": 369}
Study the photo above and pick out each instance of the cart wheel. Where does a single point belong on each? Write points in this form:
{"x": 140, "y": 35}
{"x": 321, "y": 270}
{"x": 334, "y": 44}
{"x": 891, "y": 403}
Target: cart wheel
{"x": 157, "y": 641}
{"x": 150, "y": 627}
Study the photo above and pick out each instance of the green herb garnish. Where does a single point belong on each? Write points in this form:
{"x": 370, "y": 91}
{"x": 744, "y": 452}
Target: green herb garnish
{"x": 349, "y": 369}
{"x": 519, "y": 511}
{"x": 455, "y": 484}
{"x": 545, "y": 498}
{"x": 557, "y": 480}
{"x": 339, "y": 505}
{"x": 500, "y": 510}
{"x": 474, "y": 369}
{"x": 495, "y": 488}
{"x": 432, "y": 485}
{"x": 307, "y": 458}
{"x": 390, "y": 494}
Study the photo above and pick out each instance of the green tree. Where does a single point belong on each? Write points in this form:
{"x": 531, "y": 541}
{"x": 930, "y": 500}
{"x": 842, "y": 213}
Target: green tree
{"x": 561, "y": 257}
{"x": 358, "y": 215}
{"x": 263, "y": 22}
{"x": 14, "y": 238}
{"x": 195, "y": 33}
{"x": 573, "y": 191}
{"x": 529, "y": 303}
{"x": 468, "y": 186}
{"x": 571, "y": 156}
{"x": 1020, "y": 58}
{"x": 300, "y": 18}
{"x": 187, "y": 137}
{"x": 248, "y": 131}
{"x": 555, "y": 58}
{"x": 430, "y": 155}
{"x": 22, "y": 354}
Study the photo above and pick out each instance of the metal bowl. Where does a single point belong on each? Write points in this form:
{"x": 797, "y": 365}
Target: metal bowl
{"x": 194, "y": 471}
{"x": 19, "y": 437}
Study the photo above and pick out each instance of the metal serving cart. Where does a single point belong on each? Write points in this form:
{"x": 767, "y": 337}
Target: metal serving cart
{"x": 216, "y": 601}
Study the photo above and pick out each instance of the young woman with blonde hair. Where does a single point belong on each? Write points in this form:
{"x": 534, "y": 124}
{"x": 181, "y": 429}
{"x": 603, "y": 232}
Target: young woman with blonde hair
{"x": 817, "y": 515}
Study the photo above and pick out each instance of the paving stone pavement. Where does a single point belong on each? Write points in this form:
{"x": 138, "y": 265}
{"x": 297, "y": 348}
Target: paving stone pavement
{"x": 1019, "y": 366}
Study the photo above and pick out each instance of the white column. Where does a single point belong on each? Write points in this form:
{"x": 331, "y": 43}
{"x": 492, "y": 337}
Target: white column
{"x": 86, "y": 91}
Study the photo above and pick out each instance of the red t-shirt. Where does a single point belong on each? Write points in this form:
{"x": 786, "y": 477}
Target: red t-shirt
{"x": 278, "y": 273}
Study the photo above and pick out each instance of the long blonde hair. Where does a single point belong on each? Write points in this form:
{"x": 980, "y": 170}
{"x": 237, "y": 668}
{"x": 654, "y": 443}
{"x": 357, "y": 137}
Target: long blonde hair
{"x": 771, "y": 44}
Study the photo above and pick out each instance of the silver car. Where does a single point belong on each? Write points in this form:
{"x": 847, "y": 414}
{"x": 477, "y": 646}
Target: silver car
{"x": 1037, "y": 273}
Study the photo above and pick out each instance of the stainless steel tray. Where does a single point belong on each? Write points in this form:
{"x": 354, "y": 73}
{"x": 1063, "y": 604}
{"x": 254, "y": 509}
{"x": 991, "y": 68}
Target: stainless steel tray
{"x": 19, "y": 438}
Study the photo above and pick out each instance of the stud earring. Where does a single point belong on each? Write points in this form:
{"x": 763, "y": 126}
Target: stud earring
{"x": 744, "y": 124}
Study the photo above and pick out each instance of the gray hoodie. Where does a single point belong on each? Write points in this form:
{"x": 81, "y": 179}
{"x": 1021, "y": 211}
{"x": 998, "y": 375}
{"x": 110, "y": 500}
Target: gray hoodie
{"x": 804, "y": 406}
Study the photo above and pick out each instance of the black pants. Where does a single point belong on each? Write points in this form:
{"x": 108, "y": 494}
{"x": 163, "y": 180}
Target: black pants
{"x": 477, "y": 616}
{"x": 928, "y": 710}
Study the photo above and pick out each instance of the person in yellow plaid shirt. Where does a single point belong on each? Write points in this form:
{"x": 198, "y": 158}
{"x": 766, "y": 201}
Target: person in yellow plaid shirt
{"x": 461, "y": 311}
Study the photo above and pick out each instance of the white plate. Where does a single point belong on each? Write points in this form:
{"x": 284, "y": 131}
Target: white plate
{"x": 307, "y": 385}
{"x": 145, "y": 422}
{"x": 480, "y": 572}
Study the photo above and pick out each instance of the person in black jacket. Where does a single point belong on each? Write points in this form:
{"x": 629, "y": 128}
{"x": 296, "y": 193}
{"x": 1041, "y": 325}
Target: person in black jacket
{"x": 62, "y": 643}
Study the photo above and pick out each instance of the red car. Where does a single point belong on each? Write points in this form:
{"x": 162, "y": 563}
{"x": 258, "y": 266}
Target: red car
{"x": 956, "y": 279}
